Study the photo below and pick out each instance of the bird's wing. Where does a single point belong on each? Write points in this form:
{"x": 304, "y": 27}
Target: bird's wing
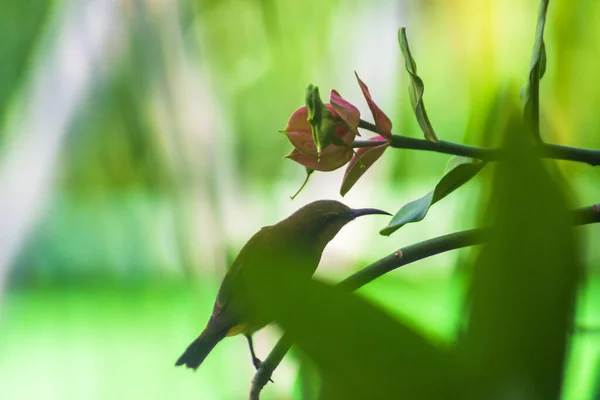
{"x": 264, "y": 246}
{"x": 254, "y": 250}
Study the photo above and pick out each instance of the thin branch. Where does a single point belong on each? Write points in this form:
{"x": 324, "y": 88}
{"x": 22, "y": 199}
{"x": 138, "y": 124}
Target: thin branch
{"x": 264, "y": 373}
{"x": 558, "y": 152}
{"x": 404, "y": 256}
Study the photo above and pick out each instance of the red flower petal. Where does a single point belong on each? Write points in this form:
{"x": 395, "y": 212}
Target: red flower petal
{"x": 382, "y": 122}
{"x": 361, "y": 162}
{"x": 349, "y": 114}
{"x": 327, "y": 162}
{"x": 299, "y": 133}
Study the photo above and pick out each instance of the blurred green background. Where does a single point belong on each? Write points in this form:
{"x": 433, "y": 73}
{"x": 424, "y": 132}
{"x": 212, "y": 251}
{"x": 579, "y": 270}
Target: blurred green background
{"x": 139, "y": 151}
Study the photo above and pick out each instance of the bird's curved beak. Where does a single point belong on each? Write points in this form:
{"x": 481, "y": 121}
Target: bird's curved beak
{"x": 355, "y": 213}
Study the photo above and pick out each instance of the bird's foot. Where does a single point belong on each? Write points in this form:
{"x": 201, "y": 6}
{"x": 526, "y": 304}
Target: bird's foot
{"x": 257, "y": 364}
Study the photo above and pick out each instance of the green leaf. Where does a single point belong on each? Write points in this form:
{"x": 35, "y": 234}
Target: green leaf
{"x": 416, "y": 89}
{"x": 320, "y": 119}
{"x": 524, "y": 283}
{"x": 22, "y": 26}
{"x": 537, "y": 68}
{"x": 359, "y": 350}
{"x": 458, "y": 172}
{"x": 308, "y": 382}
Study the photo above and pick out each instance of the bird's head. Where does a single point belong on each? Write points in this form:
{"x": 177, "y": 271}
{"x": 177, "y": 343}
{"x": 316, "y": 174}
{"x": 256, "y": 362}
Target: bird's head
{"x": 321, "y": 220}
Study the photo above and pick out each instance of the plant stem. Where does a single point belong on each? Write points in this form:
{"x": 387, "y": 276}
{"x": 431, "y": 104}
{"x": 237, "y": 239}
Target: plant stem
{"x": 404, "y": 256}
{"x": 554, "y": 151}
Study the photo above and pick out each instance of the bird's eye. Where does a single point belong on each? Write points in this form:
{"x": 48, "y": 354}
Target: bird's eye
{"x": 330, "y": 218}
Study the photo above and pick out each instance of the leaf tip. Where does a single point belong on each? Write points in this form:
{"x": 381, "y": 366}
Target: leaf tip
{"x": 385, "y": 232}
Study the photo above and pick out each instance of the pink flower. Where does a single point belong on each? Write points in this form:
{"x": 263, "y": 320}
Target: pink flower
{"x": 334, "y": 155}
{"x": 334, "y": 127}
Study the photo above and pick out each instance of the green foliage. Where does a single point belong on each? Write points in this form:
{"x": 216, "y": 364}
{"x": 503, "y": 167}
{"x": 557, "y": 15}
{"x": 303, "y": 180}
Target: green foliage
{"x": 459, "y": 171}
{"x": 416, "y": 88}
{"x": 359, "y": 350}
{"x": 537, "y": 69}
{"x": 524, "y": 283}
{"x": 21, "y": 24}
{"x": 520, "y": 307}
{"x": 114, "y": 145}
{"x": 308, "y": 380}
{"x": 125, "y": 187}
{"x": 519, "y": 311}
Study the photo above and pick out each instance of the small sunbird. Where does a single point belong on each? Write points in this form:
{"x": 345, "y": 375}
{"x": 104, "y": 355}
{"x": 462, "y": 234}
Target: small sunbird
{"x": 297, "y": 242}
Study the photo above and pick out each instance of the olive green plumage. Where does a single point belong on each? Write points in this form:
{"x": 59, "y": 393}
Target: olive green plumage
{"x": 295, "y": 243}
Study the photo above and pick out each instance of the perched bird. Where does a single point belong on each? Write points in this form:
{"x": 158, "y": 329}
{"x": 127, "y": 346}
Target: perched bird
{"x": 296, "y": 244}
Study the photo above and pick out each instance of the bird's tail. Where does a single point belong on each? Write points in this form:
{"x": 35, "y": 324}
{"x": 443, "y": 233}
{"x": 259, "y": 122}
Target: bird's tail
{"x": 196, "y": 352}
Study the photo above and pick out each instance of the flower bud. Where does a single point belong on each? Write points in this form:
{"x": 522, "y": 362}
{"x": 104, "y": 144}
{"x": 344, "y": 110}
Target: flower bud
{"x": 320, "y": 118}
{"x": 343, "y": 130}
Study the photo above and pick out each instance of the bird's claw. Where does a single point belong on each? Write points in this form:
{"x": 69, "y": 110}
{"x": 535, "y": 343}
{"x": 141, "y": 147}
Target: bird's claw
{"x": 257, "y": 364}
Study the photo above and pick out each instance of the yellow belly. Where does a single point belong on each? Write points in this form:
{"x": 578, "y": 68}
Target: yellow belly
{"x": 236, "y": 330}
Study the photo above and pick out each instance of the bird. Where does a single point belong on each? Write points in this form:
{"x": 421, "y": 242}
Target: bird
{"x": 295, "y": 243}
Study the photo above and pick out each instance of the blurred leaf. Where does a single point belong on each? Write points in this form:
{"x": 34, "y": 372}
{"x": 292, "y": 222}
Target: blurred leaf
{"x": 537, "y": 68}
{"x": 416, "y": 88}
{"x": 361, "y": 162}
{"x": 524, "y": 283}
{"x": 494, "y": 116}
{"x": 596, "y": 389}
{"x": 458, "y": 172}
{"x": 359, "y": 350}
{"x": 21, "y": 24}
{"x": 308, "y": 381}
